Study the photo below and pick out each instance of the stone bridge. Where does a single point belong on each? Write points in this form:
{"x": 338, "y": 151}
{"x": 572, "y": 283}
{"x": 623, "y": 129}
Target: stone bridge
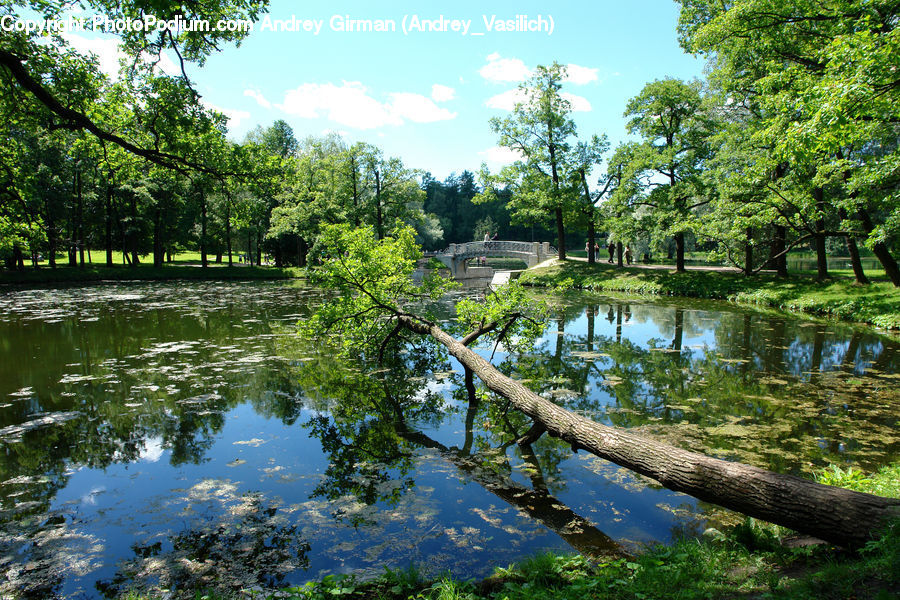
{"x": 456, "y": 256}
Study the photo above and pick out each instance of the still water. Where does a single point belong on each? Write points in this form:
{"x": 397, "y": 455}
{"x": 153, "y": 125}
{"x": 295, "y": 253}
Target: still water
{"x": 181, "y": 434}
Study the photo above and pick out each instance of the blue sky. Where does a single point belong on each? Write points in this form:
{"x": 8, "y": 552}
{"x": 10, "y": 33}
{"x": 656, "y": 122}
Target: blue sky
{"x": 427, "y": 96}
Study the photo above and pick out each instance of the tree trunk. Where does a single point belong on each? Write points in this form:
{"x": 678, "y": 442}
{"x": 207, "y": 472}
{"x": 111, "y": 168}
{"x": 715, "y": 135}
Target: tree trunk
{"x": 557, "y": 211}
{"x": 748, "y": 252}
{"x": 51, "y": 239}
{"x": 821, "y": 253}
{"x": 228, "y": 232}
{"x": 833, "y": 514}
{"x": 560, "y": 234}
{"x": 107, "y": 237}
{"x": 302, "y": 252}
{"x": 592, "y": 234}
{"x": 157, "y": 238}
{"x": 72, "y": 248}
{"x": 135, "y": 259}
{"x": 778, "y": 260}
{"x": 204, "y": 255}
{"x": 619, "y": 253}
{"x": 79, "y": 237}
{"x": 880, "y": 249}
{"x": 853, "y": 250}
{"x": 679, "y": 252}
{"x": 18, "y": 258}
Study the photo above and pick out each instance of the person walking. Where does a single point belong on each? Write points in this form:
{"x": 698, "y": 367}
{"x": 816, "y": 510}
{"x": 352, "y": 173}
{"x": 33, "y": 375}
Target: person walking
{"x": 612, "y": 251}
{"x": 628, "y": 254}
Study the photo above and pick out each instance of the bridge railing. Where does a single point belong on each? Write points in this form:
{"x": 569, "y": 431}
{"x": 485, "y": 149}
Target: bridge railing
{"x": 477, "y": 248}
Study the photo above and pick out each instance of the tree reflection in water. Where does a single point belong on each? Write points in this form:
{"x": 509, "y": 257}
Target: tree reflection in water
{"x": 370, "y": 432}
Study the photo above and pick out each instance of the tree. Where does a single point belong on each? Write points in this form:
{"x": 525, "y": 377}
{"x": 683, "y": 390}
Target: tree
{"x": 277, "y": 139}
{"x": 540, "y": 131}
{"x": 50, "y": 78}
{"x": 665, "y": 168}
{"x": 585, "y": 156}
{"x": 372, "y": 309}
{"x": 825, "y": 77}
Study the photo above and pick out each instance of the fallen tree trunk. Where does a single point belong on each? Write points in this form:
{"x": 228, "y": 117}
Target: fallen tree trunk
{"x": 840, "y": 516}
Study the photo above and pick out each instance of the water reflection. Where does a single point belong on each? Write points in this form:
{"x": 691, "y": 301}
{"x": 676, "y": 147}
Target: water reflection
{"x": 784, "y": 394}
{"x": 124, "y": 406}
{"x": 374, "y": 417}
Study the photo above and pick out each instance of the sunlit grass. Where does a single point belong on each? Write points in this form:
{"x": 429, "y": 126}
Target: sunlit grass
{"x": 877, "y": 303}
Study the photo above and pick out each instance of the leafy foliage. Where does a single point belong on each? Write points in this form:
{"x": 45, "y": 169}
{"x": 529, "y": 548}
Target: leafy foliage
{"x": 373, "y": 283}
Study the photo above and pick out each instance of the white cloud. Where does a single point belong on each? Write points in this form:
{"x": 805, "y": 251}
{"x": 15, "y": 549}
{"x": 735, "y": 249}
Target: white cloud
{"x": 499, "y": 156}
{"x": 578, "y": 103}
{"x": 442, "y": 93}
{"x": 504, "y": 69}
{"x": 168, "y": 66}
{"x": 108, "y": 55}
{"x": 152, "y": 450}
{"x": 580, "y": 75}
{"x": 508, "y": 99}
{"x": 234, "y": 116}
{"x": 260, "y": 99}
{"x": 418, "y": 108}
{"x": 351, "y": 105}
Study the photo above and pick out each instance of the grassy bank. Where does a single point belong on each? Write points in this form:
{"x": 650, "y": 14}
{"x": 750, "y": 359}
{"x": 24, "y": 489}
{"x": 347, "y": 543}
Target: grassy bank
{"x": 144, "y": 272}
{"x": 877, "y": 304}
{"x": 752, "y": 560}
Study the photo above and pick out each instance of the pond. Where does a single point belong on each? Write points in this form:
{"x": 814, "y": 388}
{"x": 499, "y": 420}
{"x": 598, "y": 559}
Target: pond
{"x": 181, "y": 434}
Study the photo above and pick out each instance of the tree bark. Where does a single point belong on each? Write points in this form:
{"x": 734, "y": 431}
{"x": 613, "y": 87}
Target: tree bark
{"x": 204, "y": 255}
{"x": 880, "y": 249}
{"x": 679, "y": 252}
{"x": 592, "y": 234}
{"x": 833, "y": 514}
{"x": 107, "y": 236}
{"x": 778, "y": 260}
{"x": 228, "y": 231}
{"x": 135, "y": 260}
{"x": 821, "y": 254}
{"x": 748, "y": 252}
{"x": 560, "y": 234}
{"x": 157, "y": 238}
{"x": 853, "y": 250}
{"x": 79, "y": 220}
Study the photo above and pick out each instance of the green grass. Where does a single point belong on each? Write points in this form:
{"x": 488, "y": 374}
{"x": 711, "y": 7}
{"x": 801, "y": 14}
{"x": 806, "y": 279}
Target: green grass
{"x": 747, "y": 561}
{"x": 68, "y": 274}
{"x": 185, "y": 265}
{"x": 877, "y": 304}
{"x": 98, "y": 258}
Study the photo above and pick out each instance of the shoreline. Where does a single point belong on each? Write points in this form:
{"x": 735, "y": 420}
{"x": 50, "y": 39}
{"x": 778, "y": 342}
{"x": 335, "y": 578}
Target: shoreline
{"x": 877, "y": 304}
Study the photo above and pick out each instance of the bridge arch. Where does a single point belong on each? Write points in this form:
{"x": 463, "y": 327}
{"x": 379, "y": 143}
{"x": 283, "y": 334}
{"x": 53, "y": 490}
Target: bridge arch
{"x": 456, "y": 255}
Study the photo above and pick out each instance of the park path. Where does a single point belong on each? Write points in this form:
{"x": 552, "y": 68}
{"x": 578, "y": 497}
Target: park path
{"x": 717, "y": 269}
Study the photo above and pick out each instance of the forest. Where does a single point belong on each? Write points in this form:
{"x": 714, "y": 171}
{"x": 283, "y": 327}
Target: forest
{"x": 789, "y": 144}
